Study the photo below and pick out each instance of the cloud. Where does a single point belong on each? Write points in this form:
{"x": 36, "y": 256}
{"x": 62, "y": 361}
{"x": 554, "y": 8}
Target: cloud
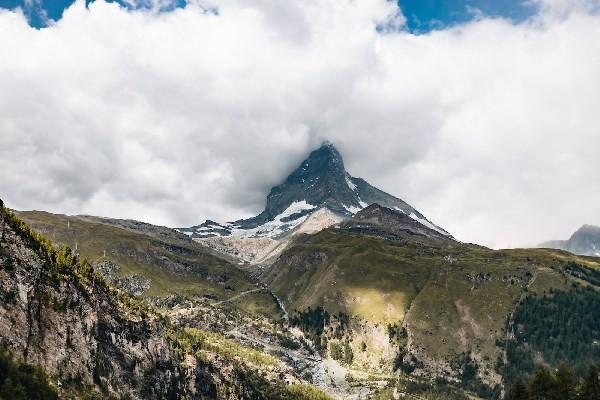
{"x": 490, "y": 128}
{"x": 563, "y": 8}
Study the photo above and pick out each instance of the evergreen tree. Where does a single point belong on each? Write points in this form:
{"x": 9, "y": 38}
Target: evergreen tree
{"x": 12, "y": 390}
{"x": 543, "y": 385}
{"x": 590, "y": 388}
{"x": 518, "y": 391}
{"x": 566, "y": 382}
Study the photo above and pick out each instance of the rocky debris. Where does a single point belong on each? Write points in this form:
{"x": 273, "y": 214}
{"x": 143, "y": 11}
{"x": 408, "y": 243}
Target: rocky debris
{"x": 133, "y": 284}
{"x": 264, "y": 251}
{"x": 246, "y": 250}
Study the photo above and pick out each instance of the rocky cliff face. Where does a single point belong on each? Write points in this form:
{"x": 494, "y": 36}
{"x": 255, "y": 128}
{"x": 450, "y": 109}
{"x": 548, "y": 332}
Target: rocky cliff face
{"x": 76, "y": 328}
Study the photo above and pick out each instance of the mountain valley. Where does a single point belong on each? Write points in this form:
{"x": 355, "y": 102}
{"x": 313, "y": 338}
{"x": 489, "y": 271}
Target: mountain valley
{"x": 336, "y": 290}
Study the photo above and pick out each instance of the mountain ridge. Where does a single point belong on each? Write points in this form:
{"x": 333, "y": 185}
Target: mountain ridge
{"x": 387, "y": 220}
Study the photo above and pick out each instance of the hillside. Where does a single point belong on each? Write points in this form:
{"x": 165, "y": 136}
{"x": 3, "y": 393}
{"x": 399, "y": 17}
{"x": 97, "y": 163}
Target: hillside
{"x": 149, "y": 261}
{"x": 381, "y": 299}
{"x": 95, "y": 341}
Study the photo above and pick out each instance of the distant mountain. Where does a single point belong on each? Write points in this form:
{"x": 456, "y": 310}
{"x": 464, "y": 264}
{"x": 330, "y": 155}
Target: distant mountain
{"x": 321, "y": 181}
{"x": 585, "y": 241}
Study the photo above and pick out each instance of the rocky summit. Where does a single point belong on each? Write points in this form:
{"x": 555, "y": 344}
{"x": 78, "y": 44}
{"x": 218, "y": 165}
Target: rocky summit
{"x": 320, "y": 181}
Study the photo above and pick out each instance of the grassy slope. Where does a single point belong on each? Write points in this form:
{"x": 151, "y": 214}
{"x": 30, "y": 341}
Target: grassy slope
{"x": 448, "y": 307}
{"x": 174, "y": 266}
{"x": 357, "y": 275}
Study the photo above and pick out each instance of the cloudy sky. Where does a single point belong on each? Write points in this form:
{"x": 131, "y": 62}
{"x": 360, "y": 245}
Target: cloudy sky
{"x": 485, "y": 117}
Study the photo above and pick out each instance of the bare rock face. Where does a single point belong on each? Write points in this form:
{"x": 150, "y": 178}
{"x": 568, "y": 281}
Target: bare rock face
{"x": 136, "y": 285}
{"x": 78, "y": 331}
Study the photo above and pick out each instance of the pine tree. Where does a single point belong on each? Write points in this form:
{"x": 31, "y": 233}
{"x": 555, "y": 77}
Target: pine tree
{"x": 12, "y": 390}
{"x": 542, "y": 385}
{"x": 566, "y": 383}
{"x": 518, "y": 391}
{"x": 590, "y": 388}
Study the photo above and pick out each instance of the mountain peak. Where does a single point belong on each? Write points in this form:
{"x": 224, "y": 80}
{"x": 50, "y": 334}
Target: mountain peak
{"x": 328, "y": 148}
{"x": 327, "y": 143}
{"x": 320, "y": 181}
{"x": 326, "y": 160}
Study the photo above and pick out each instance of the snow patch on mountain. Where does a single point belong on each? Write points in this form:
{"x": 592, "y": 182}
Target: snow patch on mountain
{"x": 427, "y": 223}
{"x": 280, "y": 224}
{"x": 265, "y": 249}
{"x": 352, "y": 209}
{"x": 351, "y": 184}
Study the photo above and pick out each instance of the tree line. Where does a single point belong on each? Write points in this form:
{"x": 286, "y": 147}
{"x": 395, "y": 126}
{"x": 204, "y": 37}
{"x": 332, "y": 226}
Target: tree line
{"x": 559, "y": 384}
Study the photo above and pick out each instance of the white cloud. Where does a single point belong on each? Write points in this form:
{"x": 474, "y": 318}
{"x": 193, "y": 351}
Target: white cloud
{"x": 491, "y": 129}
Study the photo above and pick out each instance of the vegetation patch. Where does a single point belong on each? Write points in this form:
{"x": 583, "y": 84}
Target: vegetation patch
{"x": 20, "y": 381}
{"x": 312, "y": 322}
{"x": 200, "y": 343}
{"x": 560, "y": 325}
{"x": 558, "y": 384}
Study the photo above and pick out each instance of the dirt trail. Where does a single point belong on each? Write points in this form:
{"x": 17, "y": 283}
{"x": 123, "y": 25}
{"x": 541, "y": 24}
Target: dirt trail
{"x": 237, "y": 296}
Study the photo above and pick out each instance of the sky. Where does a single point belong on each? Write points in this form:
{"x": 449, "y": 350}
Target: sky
{"x": 482, "y": 115}
{"x": 421, "y": 16}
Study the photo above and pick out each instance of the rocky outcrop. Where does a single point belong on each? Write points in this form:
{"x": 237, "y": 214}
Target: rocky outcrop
{"x": 77, "y": 329}
{"x": 133, "y": 284}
